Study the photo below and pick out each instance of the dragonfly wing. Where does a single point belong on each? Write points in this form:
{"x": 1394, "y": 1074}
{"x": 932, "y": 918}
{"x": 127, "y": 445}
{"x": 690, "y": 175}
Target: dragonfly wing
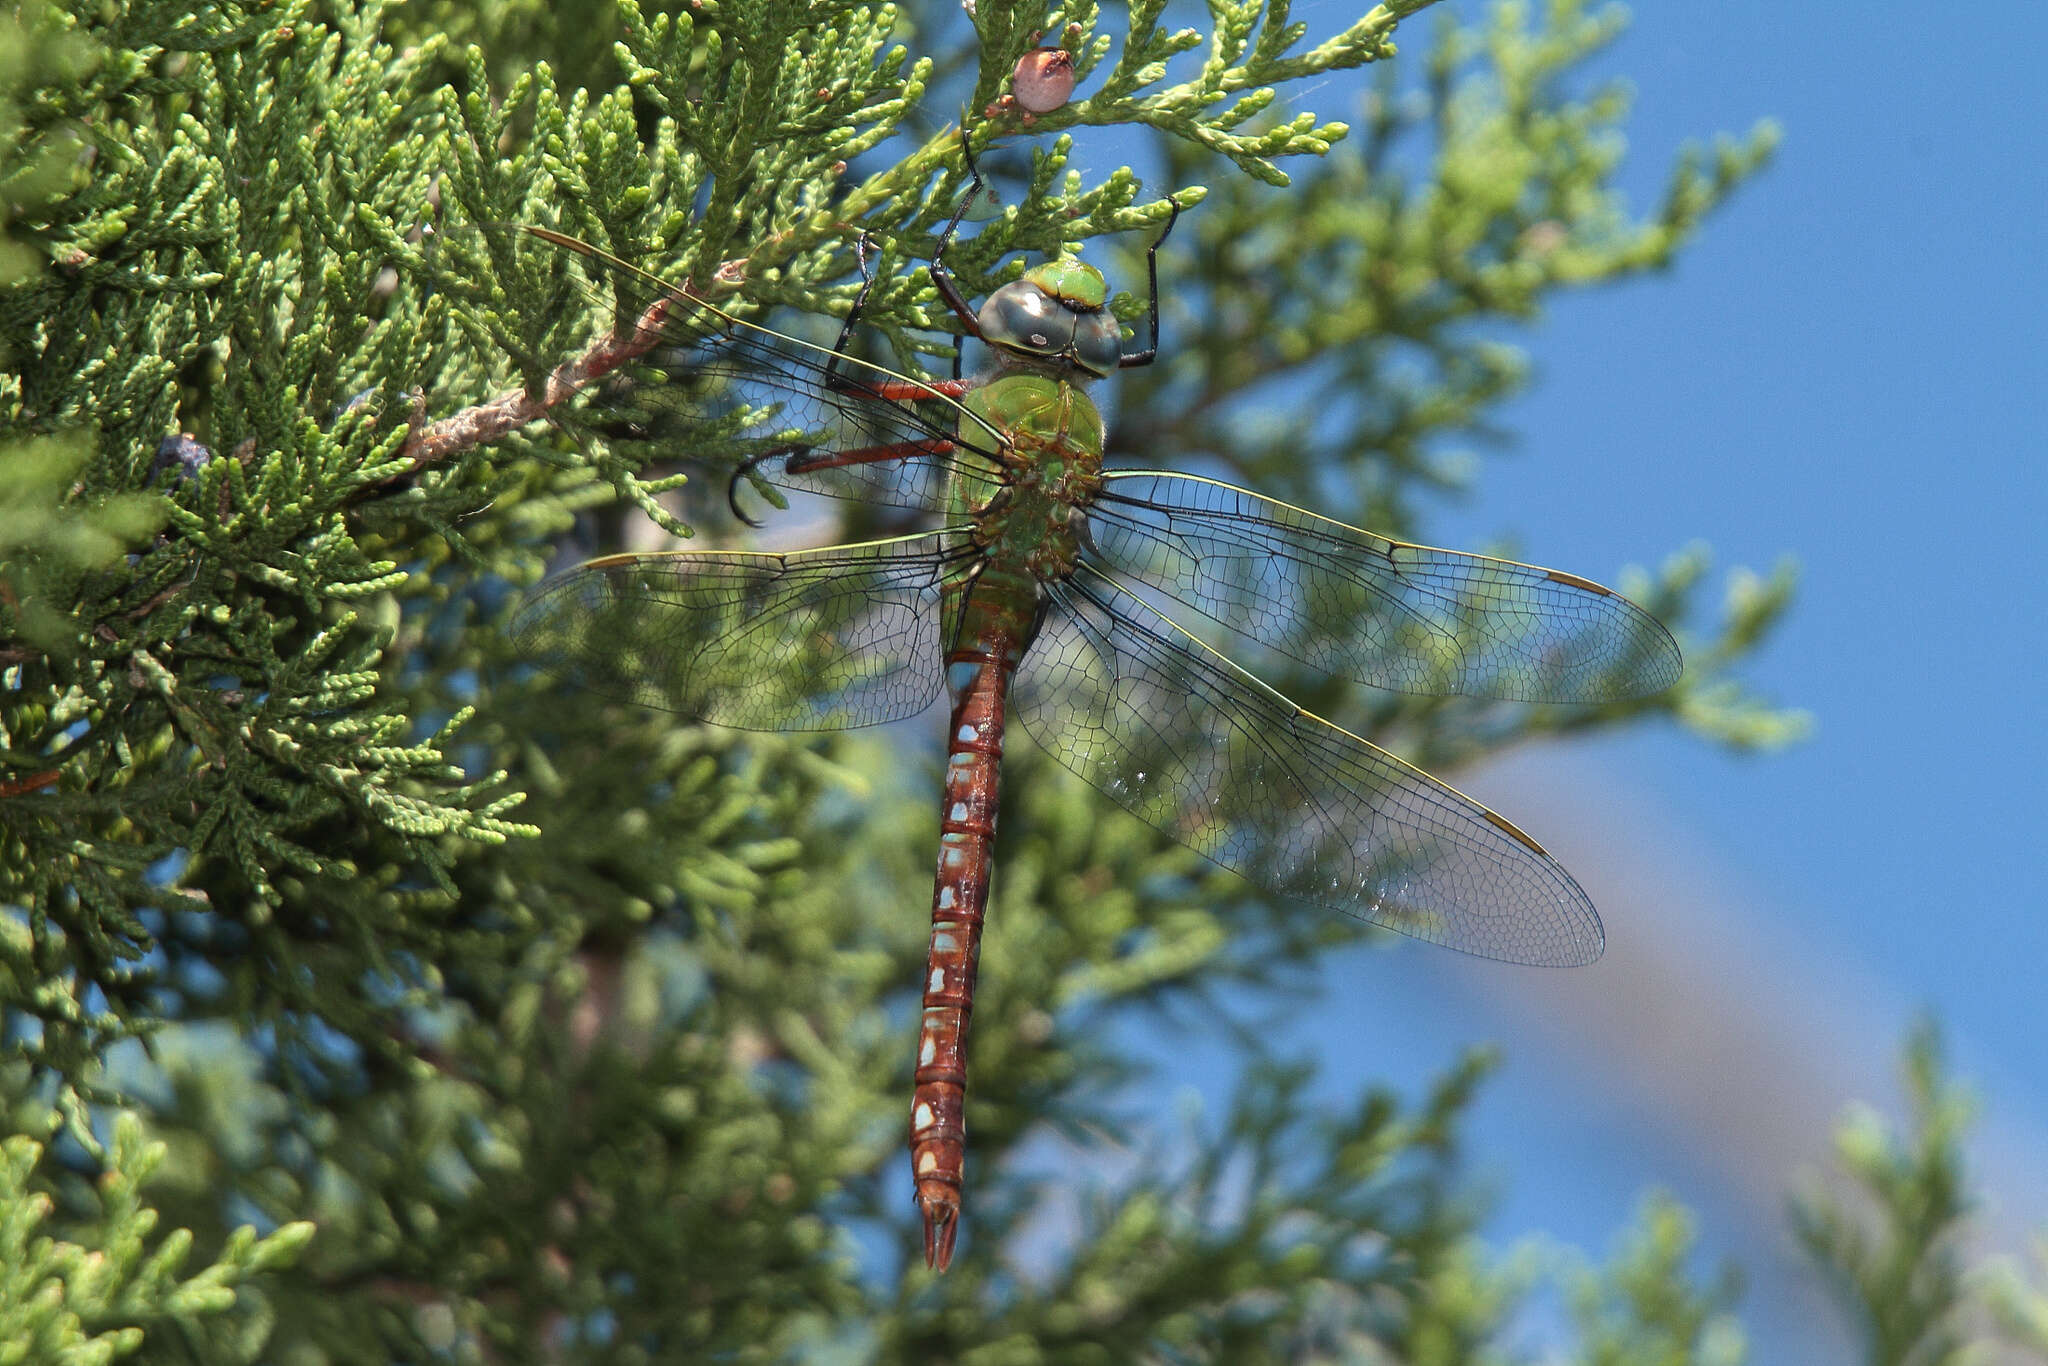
{"x": 1195, "y": 746}
{"x": 818, "y": 640}
{"x": 1406, "y": 617}
{"x": 754, "y": 399}
{"x": 684, "y": 378}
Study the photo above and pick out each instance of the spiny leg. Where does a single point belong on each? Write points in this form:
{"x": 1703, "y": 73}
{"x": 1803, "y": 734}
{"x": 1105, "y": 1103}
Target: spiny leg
{"x": 834, "y": 378}
{"x": 802, "y": 460}
{"x": 837, "y": 381}
{"x": 942, "y": 279}
{"x": 870, "y": 455}
{"x": 891, "y": 390}
{"x": 1151, "y": 353}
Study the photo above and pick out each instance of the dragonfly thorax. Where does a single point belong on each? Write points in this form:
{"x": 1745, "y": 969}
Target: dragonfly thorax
{"x": 1056, "y": 316}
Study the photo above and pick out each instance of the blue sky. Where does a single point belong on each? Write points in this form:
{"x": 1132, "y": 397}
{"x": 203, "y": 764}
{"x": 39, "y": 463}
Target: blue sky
{"x": 1850, "y": 366}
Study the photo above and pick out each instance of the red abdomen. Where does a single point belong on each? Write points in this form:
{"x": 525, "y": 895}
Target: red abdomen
{"x": 978, "y": 675}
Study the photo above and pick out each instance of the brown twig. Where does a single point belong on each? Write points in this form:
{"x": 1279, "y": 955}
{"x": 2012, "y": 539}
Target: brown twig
{"x": 15, "y": 787}
{"x": 507, "y": 413}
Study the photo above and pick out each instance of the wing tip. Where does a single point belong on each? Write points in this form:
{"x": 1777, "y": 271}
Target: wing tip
{"x": 1574, "y": 939}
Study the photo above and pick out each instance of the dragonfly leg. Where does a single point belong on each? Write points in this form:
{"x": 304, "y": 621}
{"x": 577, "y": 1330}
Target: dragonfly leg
{"x": 1151, "y": 353}
{"x": 872, "y": 455}
{"x": 834, "y": 378}
{"x": 837, "y": 380}
{"x": 892, "y": 390}
{"x": 911, "y": 390}
{"x": 803, "y": 460}
{"x": 942, "y": 279}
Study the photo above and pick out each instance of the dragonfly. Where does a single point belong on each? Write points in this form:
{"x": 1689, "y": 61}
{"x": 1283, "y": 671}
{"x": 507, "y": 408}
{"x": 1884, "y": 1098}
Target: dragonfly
{"x": 1058, "y": 591}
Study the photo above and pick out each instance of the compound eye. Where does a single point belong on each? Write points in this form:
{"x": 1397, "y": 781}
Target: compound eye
{"x": 1021, "y": 316}
{"x": 1098, "y": 342}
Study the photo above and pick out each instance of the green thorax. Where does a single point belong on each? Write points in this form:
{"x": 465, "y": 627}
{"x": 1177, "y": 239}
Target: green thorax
{"x": 1050, "y": 446}
{"x": 1038, "y": 416}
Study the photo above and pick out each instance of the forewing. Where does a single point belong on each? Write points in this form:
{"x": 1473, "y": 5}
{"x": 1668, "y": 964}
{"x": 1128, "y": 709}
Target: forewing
{"x": 1193, "y": 745}
{"x": 818, "y": 640}
{"x": 1394, "y": 615}
{"x": 690, "y": 380}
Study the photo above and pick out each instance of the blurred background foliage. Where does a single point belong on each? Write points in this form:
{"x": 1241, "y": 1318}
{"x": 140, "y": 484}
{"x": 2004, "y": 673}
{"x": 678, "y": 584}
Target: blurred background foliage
{"x": 367, "y": 1002}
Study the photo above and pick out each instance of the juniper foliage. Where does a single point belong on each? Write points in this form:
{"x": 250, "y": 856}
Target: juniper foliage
{"x": 578, "y": 1032}
{"x": 1893, "y": 1234}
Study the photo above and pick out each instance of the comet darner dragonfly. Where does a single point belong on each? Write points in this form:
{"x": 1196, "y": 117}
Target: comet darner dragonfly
{"x": 1040, "y": 595}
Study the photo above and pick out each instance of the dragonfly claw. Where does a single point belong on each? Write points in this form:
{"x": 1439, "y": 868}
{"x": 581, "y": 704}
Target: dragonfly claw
{"x": 732, "y": 488}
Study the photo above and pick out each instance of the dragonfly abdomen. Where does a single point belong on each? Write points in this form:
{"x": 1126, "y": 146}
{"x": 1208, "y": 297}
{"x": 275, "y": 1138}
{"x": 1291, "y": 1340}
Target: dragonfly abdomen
{"x": 994, "y": 628}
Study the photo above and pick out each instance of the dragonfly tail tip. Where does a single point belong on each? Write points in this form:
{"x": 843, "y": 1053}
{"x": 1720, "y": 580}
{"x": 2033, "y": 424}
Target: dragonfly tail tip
{"x": 941, "y": 1227}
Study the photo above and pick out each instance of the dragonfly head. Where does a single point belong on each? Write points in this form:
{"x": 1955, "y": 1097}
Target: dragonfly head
{"x": 1056, "y": 314}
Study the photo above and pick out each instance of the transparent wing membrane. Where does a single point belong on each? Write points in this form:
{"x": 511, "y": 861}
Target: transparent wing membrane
{"x": 820, "y": 640}
{"x": 704, "y": 385}
{"x": 1196, "y": 747}
{"x": 1387, "y": 613}
{"x": 1161, "y": 723}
